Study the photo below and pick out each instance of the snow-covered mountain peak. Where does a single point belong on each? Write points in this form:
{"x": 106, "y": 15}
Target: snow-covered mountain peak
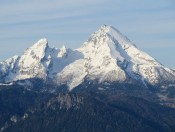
{"x": 107, "y": 41}
{"x": 63, "y": 51}
{"x": 37, "y": 51}
{"x": 105, "y": 28}
{"x": 30, "y": 63}
{"x": 108, "y": 33}
{"x": 40, "y": 47}
{"x": 41, "y": 43}
{"x": 108, "y": 51}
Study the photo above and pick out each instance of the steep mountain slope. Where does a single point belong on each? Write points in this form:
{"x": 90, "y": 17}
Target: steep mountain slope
{"x": 110, "y": 56}
{"x": 107, "y": 56}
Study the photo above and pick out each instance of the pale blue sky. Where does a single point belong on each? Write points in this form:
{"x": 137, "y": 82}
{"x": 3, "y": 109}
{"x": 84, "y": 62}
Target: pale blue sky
{"x": 150, "y": 24}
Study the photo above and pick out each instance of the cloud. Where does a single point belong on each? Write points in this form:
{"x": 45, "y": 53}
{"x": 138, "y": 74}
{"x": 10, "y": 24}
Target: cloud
{"x": 44, "y": 10}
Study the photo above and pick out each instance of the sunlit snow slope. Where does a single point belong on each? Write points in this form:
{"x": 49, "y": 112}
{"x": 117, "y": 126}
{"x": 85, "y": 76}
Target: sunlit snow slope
{"x": 107, "y": 56}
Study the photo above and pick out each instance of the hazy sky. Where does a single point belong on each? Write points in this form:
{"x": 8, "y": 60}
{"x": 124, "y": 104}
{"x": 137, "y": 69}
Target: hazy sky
{"x": 150, "y": 24}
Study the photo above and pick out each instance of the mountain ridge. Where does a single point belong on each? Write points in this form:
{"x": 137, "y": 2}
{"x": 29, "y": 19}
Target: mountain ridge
{"x": 106, "y": 56}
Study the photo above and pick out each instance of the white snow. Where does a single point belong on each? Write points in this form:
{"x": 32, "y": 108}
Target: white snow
{"x": 62, "y": 51}
{"x": 106, "y": 56}
{"x": 34, "y": 54}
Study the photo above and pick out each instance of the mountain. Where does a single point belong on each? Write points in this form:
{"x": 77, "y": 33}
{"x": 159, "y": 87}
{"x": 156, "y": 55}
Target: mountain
{"x": 107, "y": 56}
{"x": 110, "y": 56}
{"x": 108, "y": 84}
